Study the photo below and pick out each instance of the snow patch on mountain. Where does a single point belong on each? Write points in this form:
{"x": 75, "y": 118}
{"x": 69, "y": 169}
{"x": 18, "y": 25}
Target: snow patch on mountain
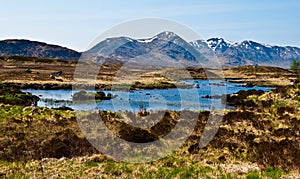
{"x": 149, "y": 40}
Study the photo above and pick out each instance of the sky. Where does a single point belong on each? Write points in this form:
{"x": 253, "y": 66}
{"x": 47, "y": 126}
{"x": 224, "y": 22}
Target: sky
{"x": 76, "y": 23}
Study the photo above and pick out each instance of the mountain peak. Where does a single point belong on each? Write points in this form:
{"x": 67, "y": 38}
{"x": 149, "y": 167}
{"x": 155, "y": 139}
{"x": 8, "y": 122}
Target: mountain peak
{"x": 167, "y": 35}
{"x": 219, "y": 44}
{"x": 219, "y": 40}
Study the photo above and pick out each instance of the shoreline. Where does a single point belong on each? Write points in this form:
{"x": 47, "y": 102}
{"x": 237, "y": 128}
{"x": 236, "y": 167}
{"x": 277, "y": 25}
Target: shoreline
{"x": 136, "y": 86}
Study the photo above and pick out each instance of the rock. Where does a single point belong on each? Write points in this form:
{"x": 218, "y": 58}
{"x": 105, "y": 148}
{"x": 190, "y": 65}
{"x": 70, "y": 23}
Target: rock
{"x": 99, "y": 95}
{"x": 214, "y": 96}
{"x": 81, "y": 95}
{"x": 217, "y": 84}
{"x": 58, "y": 73}
{"x": 52, "y": 77}
{"x": 102, "y": 96}
{"x": 28, "y": 70}
{"x": 64, "y": 108}
{"x": 206, "y": 96}
{"x": 109, "y": 95}
{"x": 249, "y": 84}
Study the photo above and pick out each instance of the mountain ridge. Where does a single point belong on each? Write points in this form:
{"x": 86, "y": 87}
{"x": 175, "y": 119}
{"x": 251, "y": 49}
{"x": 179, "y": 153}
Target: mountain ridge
{"x": 249, "y": 52}
{"x": 162, "y": 49}
{"x": 246, "y": 52}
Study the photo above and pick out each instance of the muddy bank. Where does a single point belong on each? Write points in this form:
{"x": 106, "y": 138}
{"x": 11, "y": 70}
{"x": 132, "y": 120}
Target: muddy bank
{"x": 63, "y": 86}
{"x": 49, "y": 86}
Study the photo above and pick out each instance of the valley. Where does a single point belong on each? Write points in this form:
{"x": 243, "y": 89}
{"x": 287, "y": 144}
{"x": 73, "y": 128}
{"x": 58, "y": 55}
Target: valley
{"x": 258, "y": 136}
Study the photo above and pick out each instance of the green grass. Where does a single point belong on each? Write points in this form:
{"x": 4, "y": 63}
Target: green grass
{"x": 91, "y": 164}
{"x": 107, "y": 168}
{"x": 9, "y": 112}
{"x": 14, "y": 96}
{"x": 273, "y": 173}
{"x": 279, "y": 103}
{"x": 254, "y": 175}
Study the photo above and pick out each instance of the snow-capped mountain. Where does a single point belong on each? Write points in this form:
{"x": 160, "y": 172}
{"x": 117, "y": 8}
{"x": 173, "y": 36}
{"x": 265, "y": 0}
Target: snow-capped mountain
{"x": 175, "y": 48}
{"x": 219, "y": 44}
{"x": 250, "y": 53}
{"x": 165, "y": 48}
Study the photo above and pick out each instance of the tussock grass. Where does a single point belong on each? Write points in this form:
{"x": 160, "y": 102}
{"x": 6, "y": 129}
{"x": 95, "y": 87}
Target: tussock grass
{"x": 260, "y": 142}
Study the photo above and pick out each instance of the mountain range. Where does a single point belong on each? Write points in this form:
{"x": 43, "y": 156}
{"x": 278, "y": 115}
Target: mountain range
{"x": 250, "y": 53}
{"x": 165, "y": 47}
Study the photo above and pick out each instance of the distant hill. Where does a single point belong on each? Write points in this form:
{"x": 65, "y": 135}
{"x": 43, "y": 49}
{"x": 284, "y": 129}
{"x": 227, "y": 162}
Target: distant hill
{"x": 36, "y": 49}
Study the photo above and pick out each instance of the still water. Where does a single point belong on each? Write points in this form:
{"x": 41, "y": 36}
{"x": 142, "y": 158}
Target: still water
{"x": 152, "y": 100}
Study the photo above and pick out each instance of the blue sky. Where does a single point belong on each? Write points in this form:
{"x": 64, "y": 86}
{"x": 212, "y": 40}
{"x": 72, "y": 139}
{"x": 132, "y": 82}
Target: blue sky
{"x": 76, "y": 23}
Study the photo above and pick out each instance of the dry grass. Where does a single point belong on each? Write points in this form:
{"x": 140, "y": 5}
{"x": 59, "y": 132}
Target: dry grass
{"x": 261, "y": 75}
{"x": 257, "y": 142}
{"x": 12, "y": 69}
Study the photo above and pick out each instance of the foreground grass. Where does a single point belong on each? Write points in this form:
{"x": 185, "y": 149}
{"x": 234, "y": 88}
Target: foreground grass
{"x": 259, "y": 140}
{"x": 98, "y": 166}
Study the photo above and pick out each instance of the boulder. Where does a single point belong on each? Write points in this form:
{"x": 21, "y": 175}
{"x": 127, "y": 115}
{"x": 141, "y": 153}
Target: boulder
{"x": 58, "y": 73}
{"x": 28, "y": 70}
